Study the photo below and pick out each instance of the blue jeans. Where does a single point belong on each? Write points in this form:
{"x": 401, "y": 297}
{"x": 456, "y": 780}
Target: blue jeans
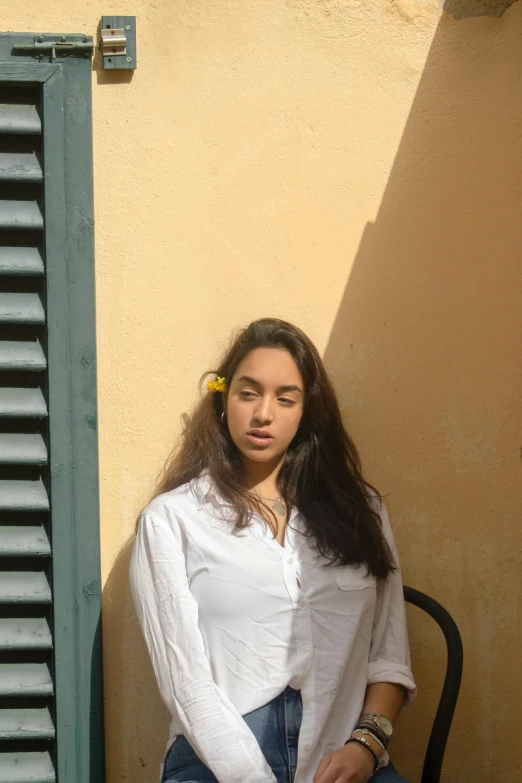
{"x": 276, "y": 727}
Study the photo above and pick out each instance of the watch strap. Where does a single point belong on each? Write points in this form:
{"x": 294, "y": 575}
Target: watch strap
{"x": 375, "y": 716}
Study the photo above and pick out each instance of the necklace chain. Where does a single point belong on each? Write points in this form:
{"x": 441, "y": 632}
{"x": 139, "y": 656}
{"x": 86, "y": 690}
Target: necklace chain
{"x": 278, "y": 504}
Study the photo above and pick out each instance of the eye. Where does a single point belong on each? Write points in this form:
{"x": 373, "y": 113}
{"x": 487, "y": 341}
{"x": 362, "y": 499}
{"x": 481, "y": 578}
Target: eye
{"x": 247, "y": 395}
{"x": 286, "y": 401}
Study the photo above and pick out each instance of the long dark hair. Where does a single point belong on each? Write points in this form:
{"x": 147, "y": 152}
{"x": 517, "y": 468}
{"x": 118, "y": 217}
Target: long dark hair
{"x": 321, "y": 474}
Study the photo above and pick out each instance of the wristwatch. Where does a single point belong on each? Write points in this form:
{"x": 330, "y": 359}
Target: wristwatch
{"x": 381, "y": 721}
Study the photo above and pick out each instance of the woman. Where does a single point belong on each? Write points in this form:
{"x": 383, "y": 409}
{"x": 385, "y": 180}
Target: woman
{"x": 267, "y": 585}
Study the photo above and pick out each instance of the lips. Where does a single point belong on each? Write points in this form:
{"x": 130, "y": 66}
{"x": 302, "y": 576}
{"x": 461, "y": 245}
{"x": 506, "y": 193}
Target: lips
{"x": 260, "y": 437}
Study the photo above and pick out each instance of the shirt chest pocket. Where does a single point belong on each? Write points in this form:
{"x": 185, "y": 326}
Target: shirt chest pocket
{"x": 354, "y": 578}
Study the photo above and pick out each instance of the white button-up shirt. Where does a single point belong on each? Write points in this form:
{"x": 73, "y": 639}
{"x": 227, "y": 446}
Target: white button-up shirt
{"x": 231, "y": 620}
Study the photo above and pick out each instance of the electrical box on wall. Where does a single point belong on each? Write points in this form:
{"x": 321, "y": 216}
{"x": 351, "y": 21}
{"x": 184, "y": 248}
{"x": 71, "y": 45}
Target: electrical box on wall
{"x": 118, "y": 42}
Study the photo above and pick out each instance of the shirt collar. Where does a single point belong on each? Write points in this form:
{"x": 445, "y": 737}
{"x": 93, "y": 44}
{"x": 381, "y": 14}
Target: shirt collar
{"x": 202, "y": 487}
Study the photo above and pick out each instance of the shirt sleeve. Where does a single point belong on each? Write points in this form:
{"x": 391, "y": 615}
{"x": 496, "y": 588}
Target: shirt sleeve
{"x": 168, "y": 615}
{"x": 389, "y": 659}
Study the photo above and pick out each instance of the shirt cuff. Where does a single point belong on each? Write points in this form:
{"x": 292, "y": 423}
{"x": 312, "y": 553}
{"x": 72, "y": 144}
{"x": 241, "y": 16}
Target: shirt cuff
{"x": 387, "y": 671}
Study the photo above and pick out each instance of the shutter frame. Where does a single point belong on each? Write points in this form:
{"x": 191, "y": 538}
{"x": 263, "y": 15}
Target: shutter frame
{"x": 67, "y": 219}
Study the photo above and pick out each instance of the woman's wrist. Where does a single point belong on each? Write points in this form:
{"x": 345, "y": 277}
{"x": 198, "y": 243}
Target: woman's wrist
{"x": 372, "y": 742}
{"x": 368, "y": 751}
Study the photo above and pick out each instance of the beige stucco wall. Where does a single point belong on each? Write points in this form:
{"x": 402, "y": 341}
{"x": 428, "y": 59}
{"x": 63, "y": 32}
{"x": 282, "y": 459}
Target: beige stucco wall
{"x": 353, "y": 166}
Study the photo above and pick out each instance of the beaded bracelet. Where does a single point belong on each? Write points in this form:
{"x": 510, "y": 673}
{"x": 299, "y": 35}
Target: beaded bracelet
{"x": 371, "y": 734}
{"x": 366, "y": 745}
{"x": 374, "y": 729}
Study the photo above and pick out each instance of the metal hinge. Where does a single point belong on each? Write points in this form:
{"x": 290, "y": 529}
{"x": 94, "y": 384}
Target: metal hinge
{"x": 118, "y": 42}
{"x": 54, "y": 47}
{"x": 113, "y": 42}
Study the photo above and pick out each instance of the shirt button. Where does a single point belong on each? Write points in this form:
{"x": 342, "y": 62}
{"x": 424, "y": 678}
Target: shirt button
{"x": 307, "y": 746}
{"x": 302, "y": 602}
{"x": 305, "y": 649}
{"x": 290, "y": 561}
{"x": 307, "y": 700}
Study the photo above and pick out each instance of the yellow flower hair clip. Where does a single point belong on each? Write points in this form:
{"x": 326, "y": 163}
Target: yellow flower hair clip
{"x": 217, "y": 386}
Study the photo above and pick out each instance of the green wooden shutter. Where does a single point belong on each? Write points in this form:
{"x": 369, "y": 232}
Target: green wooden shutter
{"x": 50, "y": 648}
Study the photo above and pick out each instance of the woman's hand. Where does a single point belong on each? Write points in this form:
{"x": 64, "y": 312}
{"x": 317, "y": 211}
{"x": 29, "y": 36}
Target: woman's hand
{"x": 350, "y": 764}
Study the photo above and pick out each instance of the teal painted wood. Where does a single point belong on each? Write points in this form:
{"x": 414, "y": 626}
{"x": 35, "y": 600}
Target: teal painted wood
{"x": 24, "y": 541}
{"x": 18, "y": 215}
{"x": 24, "y": 633}
{"x": 20, "y": 261}
{"x": 23, "y": 496}
{"x": 19, "y": 119}
{"x": 24, "y": 587}
{"x": 20, "y": 167}
{"x": 69, "y": 250}
{"x": 21, "y": 356}
{"x": 22, "y": 449}
{"x": 26, "y": 768}
{"x": 70, "y": 257}
{"x": 22, "y": 69}
{"x": 26, "y": 724}
{"x": 25, "y": 679}
{"x": 22, "y": 403}
{"x": 21, "y": 308}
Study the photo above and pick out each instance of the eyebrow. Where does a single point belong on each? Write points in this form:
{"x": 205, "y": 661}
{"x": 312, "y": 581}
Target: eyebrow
{"x": 287, "y": 388}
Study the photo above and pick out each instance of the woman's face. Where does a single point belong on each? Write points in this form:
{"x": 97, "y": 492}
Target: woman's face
{"x": 264, "y": 404}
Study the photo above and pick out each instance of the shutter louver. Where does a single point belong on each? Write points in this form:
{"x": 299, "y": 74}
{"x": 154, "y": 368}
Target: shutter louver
{"x": 25, "y": 679}
{"x": 27, "y": 710}
{"x": 21, "y": 309}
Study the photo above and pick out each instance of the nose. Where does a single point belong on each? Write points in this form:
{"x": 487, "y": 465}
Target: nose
{"x": 263, "y": 412}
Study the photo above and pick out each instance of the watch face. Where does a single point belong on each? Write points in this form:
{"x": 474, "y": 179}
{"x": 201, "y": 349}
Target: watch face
{"x": 384, "y": 724}
{"x": 381, "y": 720}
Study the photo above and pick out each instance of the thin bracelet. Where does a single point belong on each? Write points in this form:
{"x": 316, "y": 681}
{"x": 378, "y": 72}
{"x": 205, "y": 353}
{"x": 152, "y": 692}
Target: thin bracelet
{"x": 371, "y": 733}
{"x": 384, "y": 740}
{"x": 366, "y": 745}
{"x": 371, "y": 726}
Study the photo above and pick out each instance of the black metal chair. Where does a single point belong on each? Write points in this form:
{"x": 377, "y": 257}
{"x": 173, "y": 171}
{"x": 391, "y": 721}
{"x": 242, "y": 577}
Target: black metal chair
{"x": 450, "y": 690}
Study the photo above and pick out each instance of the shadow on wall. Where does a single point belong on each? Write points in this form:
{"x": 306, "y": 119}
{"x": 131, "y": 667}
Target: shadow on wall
{"x": 466, "y": 9}
{"x": 135, "y": 707}
{"x": 425, "y": 352}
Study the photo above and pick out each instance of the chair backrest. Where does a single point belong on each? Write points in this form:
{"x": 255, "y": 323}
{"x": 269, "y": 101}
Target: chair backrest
{"x": 450, "y": 690}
